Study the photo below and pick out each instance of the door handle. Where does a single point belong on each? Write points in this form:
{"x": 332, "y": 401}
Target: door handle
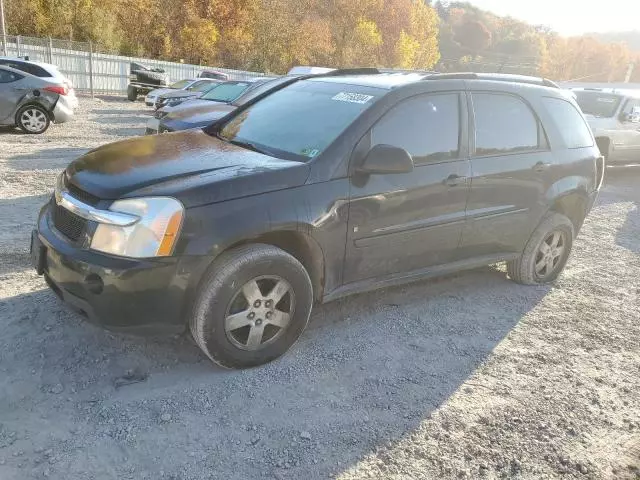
{"x": 454, "y": 180}
{"x": 541, "y": 166}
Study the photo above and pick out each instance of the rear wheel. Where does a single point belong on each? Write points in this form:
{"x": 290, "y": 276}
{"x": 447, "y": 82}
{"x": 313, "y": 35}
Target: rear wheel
{"x": 132, "y": 93}
{"x": 546, "y": 253}
{"x": 33, "y": 119}
{"x": 252, "y": 306}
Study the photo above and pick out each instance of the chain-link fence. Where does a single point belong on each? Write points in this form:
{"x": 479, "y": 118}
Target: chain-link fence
{"x": 95, "y": 72}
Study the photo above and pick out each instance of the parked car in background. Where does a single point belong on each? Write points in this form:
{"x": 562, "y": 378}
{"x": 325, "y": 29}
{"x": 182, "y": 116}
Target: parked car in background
{"x": 332, "y": 185}
{"x": 223, "y": 95}
{"x": 195, "y": 90}
{"x": 32, "y": 103}
{"x": 214, "y": 74}
{"x": 47, "y": 72}
{"x": 152, "y": 96}
{"x": 614, "y": 117}
{"x": 143, "y": 79}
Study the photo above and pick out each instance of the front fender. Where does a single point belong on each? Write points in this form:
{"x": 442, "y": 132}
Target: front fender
{"x": 319, "y": 211}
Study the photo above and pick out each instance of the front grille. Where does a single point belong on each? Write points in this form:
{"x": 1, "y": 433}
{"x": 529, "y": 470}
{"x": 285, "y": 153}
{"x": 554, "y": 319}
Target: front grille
{"x": 69, "y": 224}
{"x": 81, "y": 195}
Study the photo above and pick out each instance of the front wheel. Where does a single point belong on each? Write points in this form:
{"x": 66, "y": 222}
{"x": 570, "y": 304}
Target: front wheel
{"x": 132, "y": 93}
{"x": 546, "y": 253}
{"x": 33, "y": 119}
{"x": 252, "y": 306}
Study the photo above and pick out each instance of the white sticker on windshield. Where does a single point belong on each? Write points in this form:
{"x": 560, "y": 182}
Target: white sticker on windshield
{"x": 606, "y": 100}
{"x": 352, "y": 97}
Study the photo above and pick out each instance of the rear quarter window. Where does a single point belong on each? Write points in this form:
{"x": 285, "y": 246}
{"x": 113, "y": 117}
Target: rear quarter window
{"x": 573, "y": 128}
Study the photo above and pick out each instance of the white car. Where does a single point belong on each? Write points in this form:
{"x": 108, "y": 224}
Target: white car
{"x": 152, "y": 96}
{"x": 46, "y": 72}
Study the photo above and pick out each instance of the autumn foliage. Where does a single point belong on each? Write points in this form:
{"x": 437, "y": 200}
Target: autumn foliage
{"x": 273, "y": 35}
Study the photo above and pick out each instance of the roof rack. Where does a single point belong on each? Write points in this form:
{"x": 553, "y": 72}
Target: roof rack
{"x": 499, "y": 77}
{"x": 351, "y": 71}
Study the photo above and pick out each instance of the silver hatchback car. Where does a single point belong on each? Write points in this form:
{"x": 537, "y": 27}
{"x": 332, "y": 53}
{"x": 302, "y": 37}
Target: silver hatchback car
{"x": 32, "y": 103}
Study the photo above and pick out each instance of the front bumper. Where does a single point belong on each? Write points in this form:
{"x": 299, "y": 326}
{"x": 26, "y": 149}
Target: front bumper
{"x": 145, "y": 296}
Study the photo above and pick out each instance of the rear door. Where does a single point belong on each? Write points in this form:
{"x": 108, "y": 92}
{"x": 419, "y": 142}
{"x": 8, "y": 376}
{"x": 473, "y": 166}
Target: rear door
{"x": 11, "y": 91}
{"x": 404, "y": 222}
{"x": 512, "y": 169}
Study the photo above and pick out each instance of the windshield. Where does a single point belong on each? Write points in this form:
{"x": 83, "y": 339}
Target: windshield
{"x": 226, "y": 92}
{"x": 252, "y": 93}
{"x": 201, "y": 86}
{"x": 301, "y": 120}
{"x": 179, "y": 85}
{"x": 598, "y": 104}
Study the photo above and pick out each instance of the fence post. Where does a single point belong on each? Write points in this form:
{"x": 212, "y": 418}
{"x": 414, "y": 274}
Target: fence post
{"x": 18, "y": 46}
{"x": 91, "y": 67}
{"x": 50, "y": 50}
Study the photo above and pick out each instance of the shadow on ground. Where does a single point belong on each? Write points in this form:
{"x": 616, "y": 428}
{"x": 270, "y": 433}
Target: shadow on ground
{"x": 50, "y": 158}
{"x": 367, "y": 371}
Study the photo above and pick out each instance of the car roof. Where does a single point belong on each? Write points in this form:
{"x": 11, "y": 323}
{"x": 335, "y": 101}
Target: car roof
{"x": 39, "y": 64}
{"x": 610, "y": 91}
{"x": 391, "y": 79}
{"x": 380, "y": 80}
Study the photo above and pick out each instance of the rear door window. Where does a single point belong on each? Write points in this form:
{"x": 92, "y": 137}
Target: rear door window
{"x": 504, "y": 124}
{"x": 572, "y": 126}
{"x": 426, "y": 126}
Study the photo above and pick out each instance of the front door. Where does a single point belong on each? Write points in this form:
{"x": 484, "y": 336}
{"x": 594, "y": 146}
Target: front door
{"x": 512, "y": 169}
{"x": 405, "y": 222}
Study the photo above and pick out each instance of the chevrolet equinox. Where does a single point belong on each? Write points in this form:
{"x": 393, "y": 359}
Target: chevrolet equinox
{"x": 334, "y": 184}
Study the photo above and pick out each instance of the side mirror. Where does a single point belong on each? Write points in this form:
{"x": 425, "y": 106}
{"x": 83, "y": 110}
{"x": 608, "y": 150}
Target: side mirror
{"x": 387, "y": 159}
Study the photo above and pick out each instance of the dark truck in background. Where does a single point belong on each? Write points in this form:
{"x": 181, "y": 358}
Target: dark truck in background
{"x": 144, "y": 79}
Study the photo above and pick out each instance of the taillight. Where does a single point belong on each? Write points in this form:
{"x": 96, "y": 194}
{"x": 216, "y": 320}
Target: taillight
{"x": 60, "y": 90}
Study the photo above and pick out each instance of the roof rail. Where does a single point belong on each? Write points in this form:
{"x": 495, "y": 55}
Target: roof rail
{"x": 351, "y": 71}
{"x": 400, "y": 70}
{"x": 499, "y": 77}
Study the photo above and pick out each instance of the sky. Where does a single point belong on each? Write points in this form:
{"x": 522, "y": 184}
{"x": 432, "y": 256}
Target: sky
{"x": 570, "y": 17}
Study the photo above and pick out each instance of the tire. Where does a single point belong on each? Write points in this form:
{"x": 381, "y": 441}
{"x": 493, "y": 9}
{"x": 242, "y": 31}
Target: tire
{"x": 218, "y": 322}
{"x": 524, "y": 269}
{"x": 132, "y": 93}
{"x": 33, "y": 119}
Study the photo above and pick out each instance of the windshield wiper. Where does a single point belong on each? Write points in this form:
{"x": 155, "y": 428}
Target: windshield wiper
{"x": 244, "y": 144}
{"x": 249, "y": 146}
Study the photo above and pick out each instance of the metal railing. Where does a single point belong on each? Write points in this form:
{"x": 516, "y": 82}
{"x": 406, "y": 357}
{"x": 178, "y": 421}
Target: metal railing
{"x": 96, "y": 72}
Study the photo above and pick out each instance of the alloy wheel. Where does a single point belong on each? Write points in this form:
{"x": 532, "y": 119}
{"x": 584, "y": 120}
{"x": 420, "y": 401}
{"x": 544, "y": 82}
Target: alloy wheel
{"x": 550, "y": 254}
{"x": 260, "y": 312}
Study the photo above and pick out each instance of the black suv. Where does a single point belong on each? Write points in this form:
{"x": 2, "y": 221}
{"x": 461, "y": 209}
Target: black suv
{"x": 332, "y": 185}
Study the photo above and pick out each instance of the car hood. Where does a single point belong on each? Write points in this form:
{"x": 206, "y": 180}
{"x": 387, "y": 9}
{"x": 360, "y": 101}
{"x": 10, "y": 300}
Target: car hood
{"x": 197, "y": 111}
{"x": 180, "y": 93}
{"x": 160, "y": 91}
{"x": 192, "y": 166}
{"x": 598, "y": 123}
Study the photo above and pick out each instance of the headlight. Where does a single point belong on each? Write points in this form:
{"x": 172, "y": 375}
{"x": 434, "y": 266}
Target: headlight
{"x": 154, "y": 235}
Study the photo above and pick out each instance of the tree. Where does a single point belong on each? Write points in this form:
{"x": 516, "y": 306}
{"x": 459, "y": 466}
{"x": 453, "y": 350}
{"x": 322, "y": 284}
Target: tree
{"x": 474, "y": 36}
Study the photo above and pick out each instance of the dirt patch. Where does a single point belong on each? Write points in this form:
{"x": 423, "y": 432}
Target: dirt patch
{"x": 469, "y": 376}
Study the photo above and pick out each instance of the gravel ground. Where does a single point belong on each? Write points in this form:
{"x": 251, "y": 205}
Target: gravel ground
{"x": 469, "y": 376}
